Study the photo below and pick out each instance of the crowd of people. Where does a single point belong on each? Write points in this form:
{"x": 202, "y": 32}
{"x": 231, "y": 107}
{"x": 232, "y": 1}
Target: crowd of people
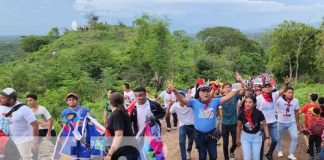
{"x": 253, "y": 116}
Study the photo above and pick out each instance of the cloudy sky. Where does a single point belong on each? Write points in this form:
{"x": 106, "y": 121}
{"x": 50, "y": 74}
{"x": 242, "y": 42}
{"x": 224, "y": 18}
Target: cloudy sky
{"x": 38, "y": 16}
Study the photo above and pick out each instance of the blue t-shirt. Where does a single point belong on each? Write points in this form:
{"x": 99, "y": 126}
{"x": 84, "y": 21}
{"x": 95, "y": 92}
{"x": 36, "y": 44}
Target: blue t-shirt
{"x": 204, "y": 119}
{"x": 229, "y": 110}
{"x": 80, "y": 111}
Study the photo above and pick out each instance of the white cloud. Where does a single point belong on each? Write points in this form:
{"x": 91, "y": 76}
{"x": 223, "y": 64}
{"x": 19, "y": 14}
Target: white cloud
{"x": 212, "y": 10}
{"x": 112, "y": 5}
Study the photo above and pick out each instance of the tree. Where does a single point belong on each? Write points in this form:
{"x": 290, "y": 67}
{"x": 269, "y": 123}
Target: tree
{"x": 295, "y": 43}
{"x": 92, "y": 19}
{"x": 150, "y": 50}
{"x": 320, "y": 56}
{"x": 53, "y": 34}
{"x": 217, "y": 38}
{"x": 33, "y": 43}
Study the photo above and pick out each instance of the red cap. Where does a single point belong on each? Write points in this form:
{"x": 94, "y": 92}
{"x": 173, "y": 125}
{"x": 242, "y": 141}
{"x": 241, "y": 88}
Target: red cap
{"x": 72, "y": 95}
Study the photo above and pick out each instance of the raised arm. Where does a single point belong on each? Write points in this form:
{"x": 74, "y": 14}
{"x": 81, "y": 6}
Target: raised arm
{"x": 240, "y": 80}
{"x": 180, "y": 98}
{"x": 229, "y": 96}
{"x": 287, "y": 81}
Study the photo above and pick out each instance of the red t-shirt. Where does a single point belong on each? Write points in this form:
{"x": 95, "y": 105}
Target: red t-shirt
{"x": 305, "y": 110}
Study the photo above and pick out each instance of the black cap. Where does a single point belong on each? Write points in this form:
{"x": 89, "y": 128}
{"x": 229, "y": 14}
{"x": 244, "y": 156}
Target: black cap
{"x": 203, "y": 87}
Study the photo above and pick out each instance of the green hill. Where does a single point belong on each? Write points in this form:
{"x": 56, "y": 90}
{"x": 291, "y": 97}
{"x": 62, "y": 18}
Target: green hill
{"x": 106, "y": 56}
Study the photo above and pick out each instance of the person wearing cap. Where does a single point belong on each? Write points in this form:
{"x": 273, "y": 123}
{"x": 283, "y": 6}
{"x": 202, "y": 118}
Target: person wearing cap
{"x": 186, "y": 127}
{"x": 205, "y": 109}
{"x": 266, "y": 102}
{"x": 22, "y": 123}
{"x": 287, "y": 107}
{"x": 72, "y": 101}
{"x": 306, "y": 111}
{"x": 229, "y": 119}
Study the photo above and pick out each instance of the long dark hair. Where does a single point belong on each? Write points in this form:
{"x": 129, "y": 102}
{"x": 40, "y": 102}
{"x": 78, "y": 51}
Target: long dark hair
{"x": 116, "y": 99}
{"x": 253, "y": 98}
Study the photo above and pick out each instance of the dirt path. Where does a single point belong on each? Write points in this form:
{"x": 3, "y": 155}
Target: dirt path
{"x": 173, "y": 151}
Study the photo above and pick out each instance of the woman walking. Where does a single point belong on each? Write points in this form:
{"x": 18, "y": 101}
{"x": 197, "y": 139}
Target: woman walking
{"x": 251, "y": 137}
{"x": 119, "y": 125}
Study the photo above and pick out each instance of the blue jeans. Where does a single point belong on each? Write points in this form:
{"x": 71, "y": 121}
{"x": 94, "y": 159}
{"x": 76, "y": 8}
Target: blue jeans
{"x": 292, "y": 129}
{"x": 322, "y": 153}
{"x": 251, "y": 145}
{"x": 274, "y": 138}
{"x": 204, "y": 144}
{"x": 186, "y": 130}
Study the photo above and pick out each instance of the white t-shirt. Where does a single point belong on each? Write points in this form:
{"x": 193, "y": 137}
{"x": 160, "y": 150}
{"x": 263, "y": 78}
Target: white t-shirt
{"x": 43, "y": 117}
{"x": 185, "y": 114}
{"x": 19, "y": 123}
{"x": 283, "y": 116}
{"x": 167, "y": 98}
{"x": 268, "y": 108}
{"x": 193, "y": 92}
{"x": 143, "y": 113}
{"x": 129, "y": 97}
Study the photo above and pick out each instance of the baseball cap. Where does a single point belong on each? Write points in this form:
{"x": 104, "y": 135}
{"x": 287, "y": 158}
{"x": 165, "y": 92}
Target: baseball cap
{"x": 182, "y": 92}
{"x": 72, "y": 95}
{"x": 9, "y": 92}
{"x": 203, "y": 87}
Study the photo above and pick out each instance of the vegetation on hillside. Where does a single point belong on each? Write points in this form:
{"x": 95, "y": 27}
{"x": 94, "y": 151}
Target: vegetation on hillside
{"x": 148, "y": 53}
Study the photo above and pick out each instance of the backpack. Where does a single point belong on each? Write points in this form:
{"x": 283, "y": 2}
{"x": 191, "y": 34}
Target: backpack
{"x": 317, "y": 127}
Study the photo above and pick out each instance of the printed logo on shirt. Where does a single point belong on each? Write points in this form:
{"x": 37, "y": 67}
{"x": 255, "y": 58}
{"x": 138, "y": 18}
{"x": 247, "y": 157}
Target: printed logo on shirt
{"x": 206, "y": 113}
{"x": 266, "y": 106}
{"x": 249, "y": 126}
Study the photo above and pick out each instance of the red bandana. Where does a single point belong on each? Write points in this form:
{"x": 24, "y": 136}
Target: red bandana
{"x": 267, "y": 97}
{"x": 248, "y": 117}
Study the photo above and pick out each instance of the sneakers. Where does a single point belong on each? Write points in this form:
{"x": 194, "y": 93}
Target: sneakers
{"x": 174, "y": 128}
{"x": 280, "y": 154}
{"x": 168, "y": 129}
{"x": 188, "y": 155}
{"x": 231, "y": 156}
{"x": 292, "y": 157}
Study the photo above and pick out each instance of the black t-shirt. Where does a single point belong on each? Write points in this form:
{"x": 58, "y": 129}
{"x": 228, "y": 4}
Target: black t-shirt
{"x": 119, "y": 120}
{"x": 257, "y": 118}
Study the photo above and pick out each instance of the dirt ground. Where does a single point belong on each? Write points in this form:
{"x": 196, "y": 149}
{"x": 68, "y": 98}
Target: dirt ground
{"x": 171, "y": 142}
{"x": 173, "y": 151}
